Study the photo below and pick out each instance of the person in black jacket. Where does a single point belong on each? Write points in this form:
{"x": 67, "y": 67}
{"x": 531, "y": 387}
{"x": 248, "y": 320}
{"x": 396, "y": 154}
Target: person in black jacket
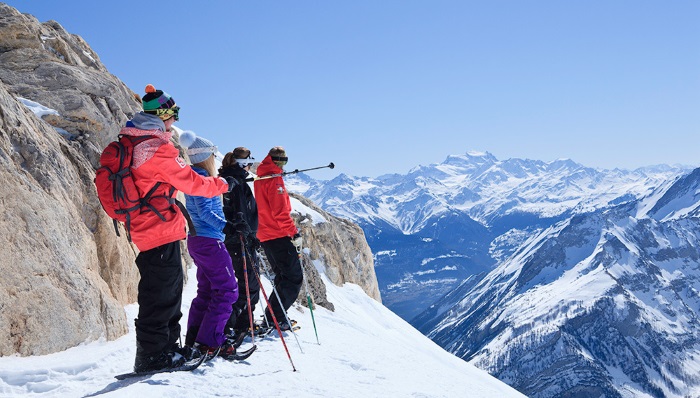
{"x": 241, "y": 214}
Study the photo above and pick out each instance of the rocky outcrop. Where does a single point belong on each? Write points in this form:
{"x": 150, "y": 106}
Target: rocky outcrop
{"x": 66, "y": 275}
{"x": 337, "y": 246}
{"x": 55, "y": 291}
{"x": 44, "y": 63}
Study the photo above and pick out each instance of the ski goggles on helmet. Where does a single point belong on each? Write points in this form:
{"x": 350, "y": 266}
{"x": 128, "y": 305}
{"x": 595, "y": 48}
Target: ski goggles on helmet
{"x": 245, "y": 162}
{"x": 208, "y": 149}
{"x": 280, "y": 160}
{"x": 167, "y": 113}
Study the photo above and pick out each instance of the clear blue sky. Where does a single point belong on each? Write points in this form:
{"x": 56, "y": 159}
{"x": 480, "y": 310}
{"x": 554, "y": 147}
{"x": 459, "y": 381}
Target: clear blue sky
{"x": 380, "y": 86}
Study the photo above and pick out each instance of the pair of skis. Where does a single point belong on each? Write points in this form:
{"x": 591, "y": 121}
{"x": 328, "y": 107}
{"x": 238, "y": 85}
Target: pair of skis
{"x": 188, "y": 366}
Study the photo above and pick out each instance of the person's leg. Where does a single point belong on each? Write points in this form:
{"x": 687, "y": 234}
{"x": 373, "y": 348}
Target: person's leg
{"x": 176, "y": 284}
{"x": 243, "y": 320}
{"x": 284, "y": 261}
{"x": 273, "y": 302}
{"x": 239, "y": 307}
{"x": 292, "y": 276}
{"x": 215, "y": 262}
{"x": 159, "y": 298}
{"x": 199, "y": 304}
{"x": 254, "y": 284}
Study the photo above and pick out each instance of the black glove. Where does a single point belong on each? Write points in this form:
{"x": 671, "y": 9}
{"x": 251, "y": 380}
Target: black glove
{"x": 241, "y": 225}
{"x": 236, "y": 228}
{"x": 228, "y": 212}
{"x": 232, "y": 182}
{"x": 253, "y": 242}
{"x": 229, "y": 228}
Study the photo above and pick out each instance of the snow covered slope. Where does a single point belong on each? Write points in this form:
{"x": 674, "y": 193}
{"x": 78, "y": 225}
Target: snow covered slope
{"x": 365, "y": 350}
{"x": 605, "y": 303}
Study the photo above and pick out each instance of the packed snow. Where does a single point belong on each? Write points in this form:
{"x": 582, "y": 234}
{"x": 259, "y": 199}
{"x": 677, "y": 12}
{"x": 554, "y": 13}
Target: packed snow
{"x": 311, "y": 214}
{"x": 365, "y": 350}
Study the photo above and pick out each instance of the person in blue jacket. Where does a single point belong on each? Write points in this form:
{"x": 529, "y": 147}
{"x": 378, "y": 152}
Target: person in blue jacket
{"x": 217, "y": 288}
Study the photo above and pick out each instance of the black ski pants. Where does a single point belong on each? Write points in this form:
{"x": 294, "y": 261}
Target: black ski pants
{"x": 284, "y": 262}
{"x": 159, "y": 298}
{"x": 239, "y": 319}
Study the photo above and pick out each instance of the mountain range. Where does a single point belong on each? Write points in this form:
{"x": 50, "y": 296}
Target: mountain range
{"x": 560, "y": 280}
{"x": 440, "y": 224}
{"x": 600, "y": 304}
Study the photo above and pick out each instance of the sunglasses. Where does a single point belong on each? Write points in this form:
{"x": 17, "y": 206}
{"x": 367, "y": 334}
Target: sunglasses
{"x": 170, "y": 112}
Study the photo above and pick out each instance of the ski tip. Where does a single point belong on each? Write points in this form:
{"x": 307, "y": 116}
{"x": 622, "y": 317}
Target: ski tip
{"x": 240, "y": 355}
{"x": 124, "y": 376}
{"x": 245, "y": 354}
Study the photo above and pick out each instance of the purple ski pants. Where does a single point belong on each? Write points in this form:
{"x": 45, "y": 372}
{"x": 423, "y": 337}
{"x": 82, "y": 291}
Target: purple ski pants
{"x": 217, "y": 290}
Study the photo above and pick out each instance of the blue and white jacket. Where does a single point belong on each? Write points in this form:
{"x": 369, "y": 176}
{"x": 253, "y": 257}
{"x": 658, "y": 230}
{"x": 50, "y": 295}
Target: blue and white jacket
{"x": 207, "y": 214}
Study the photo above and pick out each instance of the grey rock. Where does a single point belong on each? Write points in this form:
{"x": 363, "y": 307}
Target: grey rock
{"x": 342, "y": 248}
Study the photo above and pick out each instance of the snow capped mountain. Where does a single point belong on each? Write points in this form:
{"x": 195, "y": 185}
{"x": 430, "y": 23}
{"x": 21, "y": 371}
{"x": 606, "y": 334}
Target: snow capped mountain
{"x": 442, "y": 223}
{"x": 600, "y": 304}
{"x": 559, "y": 279}
{"x": 482, "y": 187}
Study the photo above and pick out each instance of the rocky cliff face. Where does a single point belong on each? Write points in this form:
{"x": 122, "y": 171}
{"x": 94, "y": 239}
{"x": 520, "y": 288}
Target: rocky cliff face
{"x": 56, "y": 290}
{"x": 66, "y": 275}
{"x": 337, "y": 246}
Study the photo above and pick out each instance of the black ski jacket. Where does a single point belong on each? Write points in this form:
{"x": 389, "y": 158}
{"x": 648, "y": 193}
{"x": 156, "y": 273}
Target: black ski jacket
{"x": 240, "y": 199}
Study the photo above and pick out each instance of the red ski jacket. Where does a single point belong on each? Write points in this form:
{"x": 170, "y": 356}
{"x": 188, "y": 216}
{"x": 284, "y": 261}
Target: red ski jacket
{"x": 274, "y": 208}
{"x": 157, "y": 160}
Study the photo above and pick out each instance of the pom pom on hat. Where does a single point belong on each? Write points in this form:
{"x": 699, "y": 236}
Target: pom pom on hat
{"x": 156, "y": 99}
{"x": 198, "y": 148}
{"x": 187, "y": 138}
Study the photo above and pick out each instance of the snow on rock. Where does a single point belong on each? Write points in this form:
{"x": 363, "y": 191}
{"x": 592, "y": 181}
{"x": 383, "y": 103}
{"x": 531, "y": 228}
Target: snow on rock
{"x": 38, "y": 109}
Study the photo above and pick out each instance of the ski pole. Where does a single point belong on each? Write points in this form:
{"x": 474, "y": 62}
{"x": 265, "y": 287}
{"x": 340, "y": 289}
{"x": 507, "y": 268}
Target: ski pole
{"x": 274, "y": 319}
{"x": 249, "y": 179}
{"x": 247, "y": 288}
{"x": 279, "y": 301}
{"x": 309, "y": 301}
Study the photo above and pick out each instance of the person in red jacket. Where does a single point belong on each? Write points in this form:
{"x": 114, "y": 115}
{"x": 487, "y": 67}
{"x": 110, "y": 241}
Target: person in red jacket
{"x": 278, "y": 235}
{"x": 158, "y": 228}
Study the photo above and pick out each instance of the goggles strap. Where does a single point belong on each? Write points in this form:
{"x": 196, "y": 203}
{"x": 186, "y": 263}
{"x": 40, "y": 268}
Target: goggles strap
{"x": 209, "y": 149}
{"x": 245, "y": 162}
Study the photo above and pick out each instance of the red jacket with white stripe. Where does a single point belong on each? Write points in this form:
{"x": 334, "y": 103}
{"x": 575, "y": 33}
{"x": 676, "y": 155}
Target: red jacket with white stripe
{"x": 274, "y": 208}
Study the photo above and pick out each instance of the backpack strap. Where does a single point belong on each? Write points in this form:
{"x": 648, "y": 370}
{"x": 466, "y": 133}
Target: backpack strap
{"x": 116, "y": 227}
{"x": 190, "y": 224}
{"x": 144, "y": 203}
